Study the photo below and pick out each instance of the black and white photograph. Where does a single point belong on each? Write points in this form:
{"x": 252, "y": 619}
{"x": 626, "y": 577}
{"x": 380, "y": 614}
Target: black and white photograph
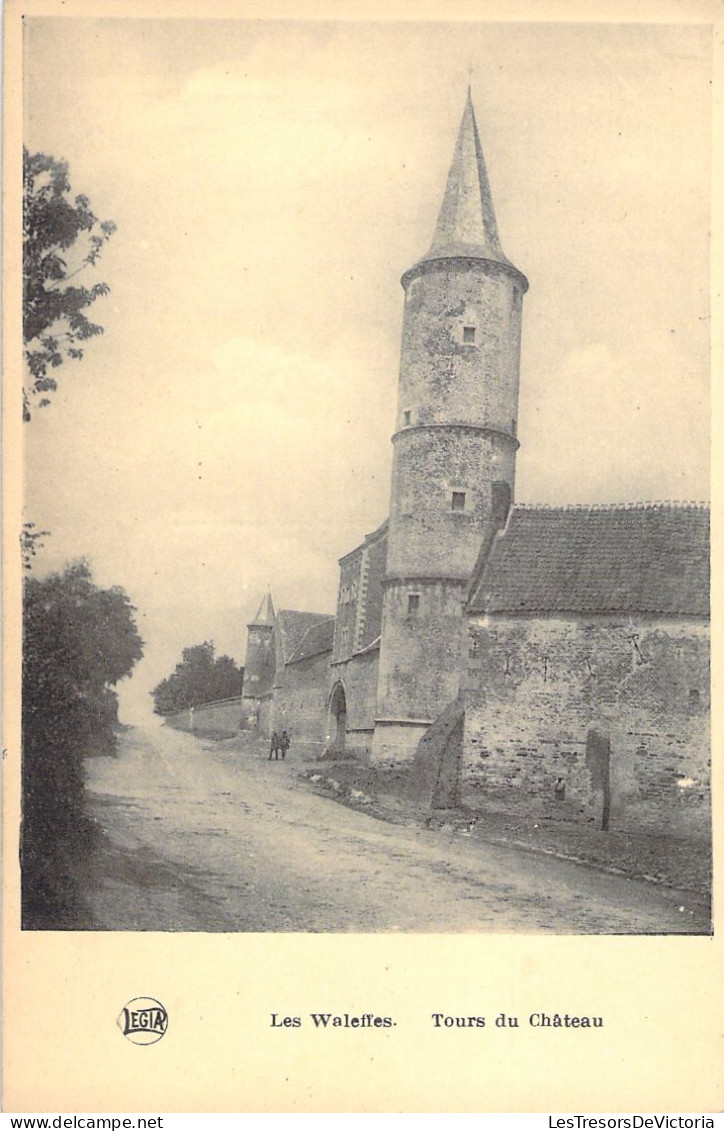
{"x": 366, "y": 448}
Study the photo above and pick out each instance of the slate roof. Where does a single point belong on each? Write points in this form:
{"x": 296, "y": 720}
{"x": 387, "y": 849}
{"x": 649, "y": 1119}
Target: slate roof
{"x": 292, "y": 626}
{"x": 317, "y": 639}
{"x": 266, "y": 612}
{"x": 638, "y": 558}
{"x": 466, "y": 225}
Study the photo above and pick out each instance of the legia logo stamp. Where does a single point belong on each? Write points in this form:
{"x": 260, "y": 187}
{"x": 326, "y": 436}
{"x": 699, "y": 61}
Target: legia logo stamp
{"x": 143, "y": 1020}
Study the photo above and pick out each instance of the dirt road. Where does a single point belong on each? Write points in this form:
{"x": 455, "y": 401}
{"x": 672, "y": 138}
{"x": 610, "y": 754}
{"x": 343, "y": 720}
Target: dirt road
{"x": 203, "y": 837}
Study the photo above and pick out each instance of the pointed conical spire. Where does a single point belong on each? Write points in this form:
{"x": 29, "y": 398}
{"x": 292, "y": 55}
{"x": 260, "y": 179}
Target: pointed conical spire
{"x": 266, "y": 614}
{"x": 466, "y": 225}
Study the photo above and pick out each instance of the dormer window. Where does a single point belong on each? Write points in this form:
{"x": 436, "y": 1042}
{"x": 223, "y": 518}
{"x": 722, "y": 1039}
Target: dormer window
{"x": 469, "y": 335}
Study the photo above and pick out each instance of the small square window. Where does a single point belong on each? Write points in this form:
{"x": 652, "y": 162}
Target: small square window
{"x": 407, "y": 416}
{"x": 458, "y": 500}
{"x": 413, "y": 604}
{"x": 468, "y": 334}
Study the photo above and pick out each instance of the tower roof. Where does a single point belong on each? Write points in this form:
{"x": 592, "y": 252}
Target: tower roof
{"x": 466, "y": 226}
{"x": 266, "y": 614}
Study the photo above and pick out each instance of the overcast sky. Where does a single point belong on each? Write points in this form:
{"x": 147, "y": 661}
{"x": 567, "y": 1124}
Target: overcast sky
{"x": 271, "y": 181}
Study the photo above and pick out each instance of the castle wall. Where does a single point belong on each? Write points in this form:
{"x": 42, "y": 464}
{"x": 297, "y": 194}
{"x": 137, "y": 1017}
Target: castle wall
{"x": 369, "y": 614}
{"x": 300, "y": 701}
{"x": 349, "y": 603}
{"x": 220, "y": 720}
{"x": 359, "y": 676}
{"x": 355, "y": 658}
{"x": 536, "y": 689}
{"x": 359, "y": 599}
{"x": 420, "y": 664}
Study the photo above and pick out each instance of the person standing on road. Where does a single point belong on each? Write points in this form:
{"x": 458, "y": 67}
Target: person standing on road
{"x": 274, "y": 747}
{"x": 284, "y": 744}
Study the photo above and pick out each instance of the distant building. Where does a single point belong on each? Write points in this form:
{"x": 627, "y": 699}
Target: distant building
{"x": 543, "y": 655}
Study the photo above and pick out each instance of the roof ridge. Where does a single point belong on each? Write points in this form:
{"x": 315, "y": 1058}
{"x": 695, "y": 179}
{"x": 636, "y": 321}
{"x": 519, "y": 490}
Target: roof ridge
{"x": 658, "y": 504}
{"x": 306, "y": 613}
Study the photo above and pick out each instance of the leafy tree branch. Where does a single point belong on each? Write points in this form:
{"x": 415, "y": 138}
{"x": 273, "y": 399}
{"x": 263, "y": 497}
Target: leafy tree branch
{"x": 56, "y": 225}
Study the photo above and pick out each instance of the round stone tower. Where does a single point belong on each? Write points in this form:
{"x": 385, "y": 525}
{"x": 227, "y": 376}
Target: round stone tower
{"x": 454, "y": 446}
{"x": 259, "y": 668}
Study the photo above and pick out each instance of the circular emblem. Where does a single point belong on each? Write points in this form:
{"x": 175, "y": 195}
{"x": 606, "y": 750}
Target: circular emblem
{"x": 143, "y": 1020}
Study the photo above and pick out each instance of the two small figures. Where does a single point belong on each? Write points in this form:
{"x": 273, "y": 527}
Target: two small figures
{"x": 279, "y": 745}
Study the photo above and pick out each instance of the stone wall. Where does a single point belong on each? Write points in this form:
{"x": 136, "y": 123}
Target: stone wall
{"x": 435, "y": 774}
{"x": 358, "y": 677}
{"x": 259, "y": 662}
{"x": 359, "y": 600}
{"x": 443, "y": 375}
{"x": 219, "y": 720}
{"x": 544, "y": 696}
{"x": 256, "y": 714}
{"x": 349, "y": 603}
{"x": 420, "y": 659}
{"x": 300, "y": 701}
{"x": 427, "y": 535}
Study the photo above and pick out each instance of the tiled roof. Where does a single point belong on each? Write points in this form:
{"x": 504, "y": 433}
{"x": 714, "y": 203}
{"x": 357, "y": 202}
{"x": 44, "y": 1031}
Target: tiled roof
{"x": 318, "y": 638}
{"x": 643, "y": 558}
{"x": 292, "y": 626}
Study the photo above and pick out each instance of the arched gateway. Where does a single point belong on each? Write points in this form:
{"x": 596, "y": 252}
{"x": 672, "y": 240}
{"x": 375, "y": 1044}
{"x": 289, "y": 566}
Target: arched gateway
{"x": 338, "y": 718}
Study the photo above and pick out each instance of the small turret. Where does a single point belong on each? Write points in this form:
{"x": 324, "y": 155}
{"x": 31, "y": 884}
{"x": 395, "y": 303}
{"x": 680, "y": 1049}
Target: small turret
{"x": 259, "y": 664}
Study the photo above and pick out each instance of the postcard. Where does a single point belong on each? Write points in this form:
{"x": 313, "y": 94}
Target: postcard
{"x": 362, "y": 375}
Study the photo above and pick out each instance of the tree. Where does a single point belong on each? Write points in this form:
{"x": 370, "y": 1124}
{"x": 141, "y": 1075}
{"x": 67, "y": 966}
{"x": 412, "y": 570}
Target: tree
{"x": 54, "y": 225}
{"x": 198, "y": 678}
{"x": 78, "y": 642}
